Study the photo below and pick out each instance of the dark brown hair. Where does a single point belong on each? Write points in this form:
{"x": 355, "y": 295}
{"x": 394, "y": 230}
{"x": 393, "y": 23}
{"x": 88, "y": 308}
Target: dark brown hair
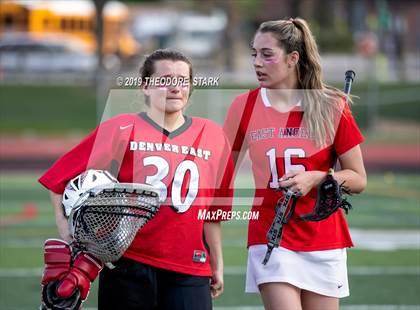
{"x": 148, "y": 67}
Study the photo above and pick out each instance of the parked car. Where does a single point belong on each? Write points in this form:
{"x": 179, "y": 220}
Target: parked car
{"x": 200, "y": 36}
{"x": 197, "y": 35}
{"x": 20, "y": 52}
{"x": 154, "y": 29}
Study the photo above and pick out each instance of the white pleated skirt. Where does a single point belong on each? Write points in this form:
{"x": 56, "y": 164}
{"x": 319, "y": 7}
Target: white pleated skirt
{"x": 321, "y": 272}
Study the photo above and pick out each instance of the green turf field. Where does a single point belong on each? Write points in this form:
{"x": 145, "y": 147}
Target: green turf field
{"x": 390, "y": 203}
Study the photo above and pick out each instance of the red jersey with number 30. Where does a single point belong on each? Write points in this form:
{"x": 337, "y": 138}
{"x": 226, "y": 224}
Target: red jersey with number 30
{"x": 186, "y": 165}
{"x": 280, "y": 142}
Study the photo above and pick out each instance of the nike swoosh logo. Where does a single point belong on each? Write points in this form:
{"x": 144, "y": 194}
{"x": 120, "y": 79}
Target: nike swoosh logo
{"x": 125, "y": 127}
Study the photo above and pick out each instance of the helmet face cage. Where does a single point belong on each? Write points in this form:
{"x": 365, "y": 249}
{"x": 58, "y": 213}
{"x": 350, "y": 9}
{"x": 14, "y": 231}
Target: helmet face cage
{"x": 78, "y": 186}
{"x": 108, "y": 217}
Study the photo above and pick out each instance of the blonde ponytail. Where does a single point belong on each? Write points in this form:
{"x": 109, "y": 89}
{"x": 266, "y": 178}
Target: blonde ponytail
{"x": 322, "y": 101}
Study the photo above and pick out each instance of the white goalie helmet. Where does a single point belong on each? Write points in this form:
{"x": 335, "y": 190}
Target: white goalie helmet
{"x": 82, "y": 183}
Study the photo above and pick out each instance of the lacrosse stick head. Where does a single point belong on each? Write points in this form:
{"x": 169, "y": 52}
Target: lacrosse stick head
{"x": 106, "y": 218}
{"x": 329, "y": 199}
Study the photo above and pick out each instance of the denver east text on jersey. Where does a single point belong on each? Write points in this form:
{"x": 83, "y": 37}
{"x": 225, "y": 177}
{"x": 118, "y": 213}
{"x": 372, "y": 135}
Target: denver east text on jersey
{"x": 174, "y": 148}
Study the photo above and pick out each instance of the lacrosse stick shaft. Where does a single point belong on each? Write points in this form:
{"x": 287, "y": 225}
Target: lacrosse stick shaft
{"x": 349, "y": 77}
{"x": 275, "y": 233}
{"x": 348, "y": 81}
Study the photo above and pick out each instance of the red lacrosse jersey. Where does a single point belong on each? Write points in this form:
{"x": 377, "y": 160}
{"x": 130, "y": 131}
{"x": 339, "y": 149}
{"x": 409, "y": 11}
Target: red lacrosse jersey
{"x": 280, "y": 142}
{"x": 191, "y": 167}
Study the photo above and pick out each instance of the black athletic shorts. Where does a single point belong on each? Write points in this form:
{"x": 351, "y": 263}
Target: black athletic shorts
{"x": 136, "y": 286}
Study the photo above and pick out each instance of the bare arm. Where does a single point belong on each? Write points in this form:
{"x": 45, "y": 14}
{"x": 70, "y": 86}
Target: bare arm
{"x": 352, "y": 173}
{"x": 60, "y": 219}
{"x": 213, "y": 236}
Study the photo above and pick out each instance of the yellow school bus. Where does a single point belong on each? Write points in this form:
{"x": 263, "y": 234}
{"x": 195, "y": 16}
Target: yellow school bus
{"x": 72, "y": 18}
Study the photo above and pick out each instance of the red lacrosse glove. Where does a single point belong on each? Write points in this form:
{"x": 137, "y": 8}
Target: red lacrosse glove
{"x": 83, "y": 272}
{"x": 57, "y": 258}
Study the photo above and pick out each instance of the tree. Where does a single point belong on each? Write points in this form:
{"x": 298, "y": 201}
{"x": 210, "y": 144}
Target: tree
{"x": 99, "y": 30}
{"x": 99, "y": 76}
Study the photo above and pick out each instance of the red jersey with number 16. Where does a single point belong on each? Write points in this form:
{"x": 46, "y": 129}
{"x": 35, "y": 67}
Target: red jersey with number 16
{"x": 280, "y": 142}
{"x": 190, "y": 166}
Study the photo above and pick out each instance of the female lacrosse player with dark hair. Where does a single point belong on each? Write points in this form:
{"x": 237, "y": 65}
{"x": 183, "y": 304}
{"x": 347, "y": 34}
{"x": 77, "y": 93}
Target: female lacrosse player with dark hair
{"x": 295, "y": 127}
{"x": 175, "y": 261}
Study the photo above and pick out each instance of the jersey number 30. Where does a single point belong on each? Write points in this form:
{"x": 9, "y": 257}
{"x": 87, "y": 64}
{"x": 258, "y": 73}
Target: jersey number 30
{"x": 163, "y": 170}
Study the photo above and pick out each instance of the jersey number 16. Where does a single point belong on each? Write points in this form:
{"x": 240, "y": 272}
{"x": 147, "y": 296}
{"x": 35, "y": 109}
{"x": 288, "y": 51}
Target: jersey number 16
{"x": 288, "y": 166}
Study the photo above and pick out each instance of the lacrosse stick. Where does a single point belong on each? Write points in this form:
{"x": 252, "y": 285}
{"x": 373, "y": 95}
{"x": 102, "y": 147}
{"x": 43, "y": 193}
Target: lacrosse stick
{"x": 275, "y": 232}
{"x": 328, "y": 201}
{"x": 330, "y": 193}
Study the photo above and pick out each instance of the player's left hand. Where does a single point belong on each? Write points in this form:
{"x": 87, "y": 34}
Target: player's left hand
{"x": 83, "y": 272}
{"x": 217, "y": 284}
{"x": 302, "y": 181}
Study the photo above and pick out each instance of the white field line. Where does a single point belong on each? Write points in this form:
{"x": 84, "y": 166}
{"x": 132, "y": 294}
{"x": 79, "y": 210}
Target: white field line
{"x": 380, "y": 307}
{"x": 358, "y": 271}
{"x": 385, "y": 239}
{"x": 379, "y": 240}
{"x": 238, "y": 270}
{"x": 20, "y": 272}
{"x": 342, "y": 307}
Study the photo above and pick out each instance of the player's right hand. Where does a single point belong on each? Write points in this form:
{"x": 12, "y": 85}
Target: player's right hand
{"x": 216, "y": 284}
{"x": 84, "y": 270}
{"x": 57, "y": 259}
